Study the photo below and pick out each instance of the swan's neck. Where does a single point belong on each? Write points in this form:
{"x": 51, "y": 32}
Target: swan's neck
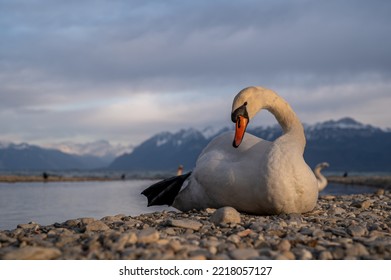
{"x": 286, "y": 117}
{"x": 322, "y": 181}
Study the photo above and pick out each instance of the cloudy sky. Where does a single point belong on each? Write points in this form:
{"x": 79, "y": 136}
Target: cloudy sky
{"x": 124, "y": 70}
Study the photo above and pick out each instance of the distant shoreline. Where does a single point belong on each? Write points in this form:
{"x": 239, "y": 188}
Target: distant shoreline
{"x": 373, "y": 181}
{"x": 51, "y": 178}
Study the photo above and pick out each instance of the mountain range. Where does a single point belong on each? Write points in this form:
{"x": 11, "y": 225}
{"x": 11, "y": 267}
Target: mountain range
{"x": 18, "y": 157}
{"x": 59, "y": 156}
{"x": 102, "y": 149}
{"x": 346, "y": 144}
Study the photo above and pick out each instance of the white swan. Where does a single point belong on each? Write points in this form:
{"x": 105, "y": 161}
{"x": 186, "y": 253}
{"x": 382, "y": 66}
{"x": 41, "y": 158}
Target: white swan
{"x": 255, "y": 176}
{"x": 322, "y": 180}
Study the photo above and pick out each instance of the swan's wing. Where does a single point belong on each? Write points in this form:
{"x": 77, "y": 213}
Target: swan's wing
{"x": 165, "y": 191}
{"x": 224, "y": 174}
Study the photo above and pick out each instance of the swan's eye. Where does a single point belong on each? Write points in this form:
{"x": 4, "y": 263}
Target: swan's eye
{"x": 241, "y": 111}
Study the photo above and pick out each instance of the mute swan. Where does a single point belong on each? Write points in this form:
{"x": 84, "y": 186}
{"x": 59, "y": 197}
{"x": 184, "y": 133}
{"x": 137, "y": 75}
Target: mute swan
{"x": 322, "y": 181}
{"x": 254, "y": 176}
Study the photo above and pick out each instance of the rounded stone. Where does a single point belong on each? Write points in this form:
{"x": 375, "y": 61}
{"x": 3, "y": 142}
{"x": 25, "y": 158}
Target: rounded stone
{"x": 325, "y": 255}
{"x": 184, "y": 223}
{"x": 336, "y": 211}
{"x": 125, "y": 239}
{"x": 365, "y": 204}
{"x": 234, "y": 238}
{"x": 357, "y": 231}
{"x": 96, "y": 226}
{"x": 356, "y": 250}
{"x": 32, "y": 226}
{"x": 33, "y": 253}
{"x": 303, "y": 254}
{"x": 225, "y": 215}
{"x": 243, "y": 254}
{"x": 380, "y": 192}
{"x": 148, "y": 235}
{"x": 284, "y": 245}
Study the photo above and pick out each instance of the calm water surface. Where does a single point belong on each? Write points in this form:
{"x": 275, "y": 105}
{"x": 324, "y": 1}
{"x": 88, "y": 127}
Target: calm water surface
{"x": 47, "y": 203}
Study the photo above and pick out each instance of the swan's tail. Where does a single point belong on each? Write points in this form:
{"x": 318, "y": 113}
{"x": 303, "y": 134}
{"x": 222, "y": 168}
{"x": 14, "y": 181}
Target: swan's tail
{"x": 165, "y": 191}
{"x": 322, "y": 181}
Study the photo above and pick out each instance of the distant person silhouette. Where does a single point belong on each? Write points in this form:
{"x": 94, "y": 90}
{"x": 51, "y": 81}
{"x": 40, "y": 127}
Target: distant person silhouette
{"x": 45, "y": 176}
{"x": 345, "y": 174}
{"x": 180, "y": 170}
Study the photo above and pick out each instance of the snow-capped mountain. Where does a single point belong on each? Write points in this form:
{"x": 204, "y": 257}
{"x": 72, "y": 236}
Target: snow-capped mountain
{"x": 335, "y": 129}
{"x": 180, "y": 138}
{"x": 102, "y": 149}
{"x": 346, "y": 144}
{"x": 210, "y": 132}
{"x": 30, "y": 157}
{"x": 163, "y": 151}
{"x": 60, "y": 156}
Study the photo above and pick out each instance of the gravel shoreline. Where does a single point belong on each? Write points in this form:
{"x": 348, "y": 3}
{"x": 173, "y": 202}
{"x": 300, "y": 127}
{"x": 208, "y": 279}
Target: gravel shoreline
{"x": 340, "y": 227}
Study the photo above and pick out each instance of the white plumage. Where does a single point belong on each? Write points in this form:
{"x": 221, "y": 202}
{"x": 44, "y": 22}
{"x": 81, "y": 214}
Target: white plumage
{"x": 322, "y": 180}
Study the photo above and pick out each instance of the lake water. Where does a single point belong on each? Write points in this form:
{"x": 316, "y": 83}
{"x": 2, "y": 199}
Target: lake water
{"x": 47, "y": 203}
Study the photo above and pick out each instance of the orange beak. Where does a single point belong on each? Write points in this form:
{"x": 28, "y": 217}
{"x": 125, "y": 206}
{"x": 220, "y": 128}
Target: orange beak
{"x": 240, "y": 129}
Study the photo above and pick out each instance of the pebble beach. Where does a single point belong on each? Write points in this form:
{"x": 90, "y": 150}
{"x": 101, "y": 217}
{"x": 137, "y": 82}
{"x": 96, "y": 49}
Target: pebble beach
{"x": 340, "y": 227}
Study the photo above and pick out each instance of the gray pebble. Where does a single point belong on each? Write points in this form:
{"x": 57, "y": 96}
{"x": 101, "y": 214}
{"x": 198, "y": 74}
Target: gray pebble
{"x": 225, "y": 215}
{"x": 64, "y": 240}
{"x": 336, "y": 211}
{"x": 31, "y": 226}
{"x": 33, "y": 253}
{"x": 72, "y": 223}
{"x": 184, "y": 223}
{"x": 125, "y": 239}
{"x": 148, "y": 235}
{"x": 243, "y": 254}
{"x": 325, "y": 255}
{"x": 306, "y": 231}
{"x": 257, "y": 227}
{"x": 356, "y": 250}
{"x": 302, "y": 254}
{"x": 284, "y": 245}
{"x": 338, "y": 253}
{"x": 6, "y": 239}
{"x": 361, "y": 204}
{"x": 96, "y": 226}
{"x": 318, "y": 233}
{"x": 86, "y": 221}
{"x": 357, "y": 231}
{"x": 234, "y": 238}
{"x": 338, "y": 232}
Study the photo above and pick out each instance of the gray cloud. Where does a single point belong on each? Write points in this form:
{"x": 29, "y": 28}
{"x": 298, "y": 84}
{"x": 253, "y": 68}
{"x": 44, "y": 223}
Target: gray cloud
{"x": 64, "y": 59}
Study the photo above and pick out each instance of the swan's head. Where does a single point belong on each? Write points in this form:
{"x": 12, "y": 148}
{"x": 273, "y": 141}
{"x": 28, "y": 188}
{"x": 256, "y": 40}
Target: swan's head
{"x": 244, "y": 107}
{"x": 241, "y": 118}
{"x": 322, "y": 165}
